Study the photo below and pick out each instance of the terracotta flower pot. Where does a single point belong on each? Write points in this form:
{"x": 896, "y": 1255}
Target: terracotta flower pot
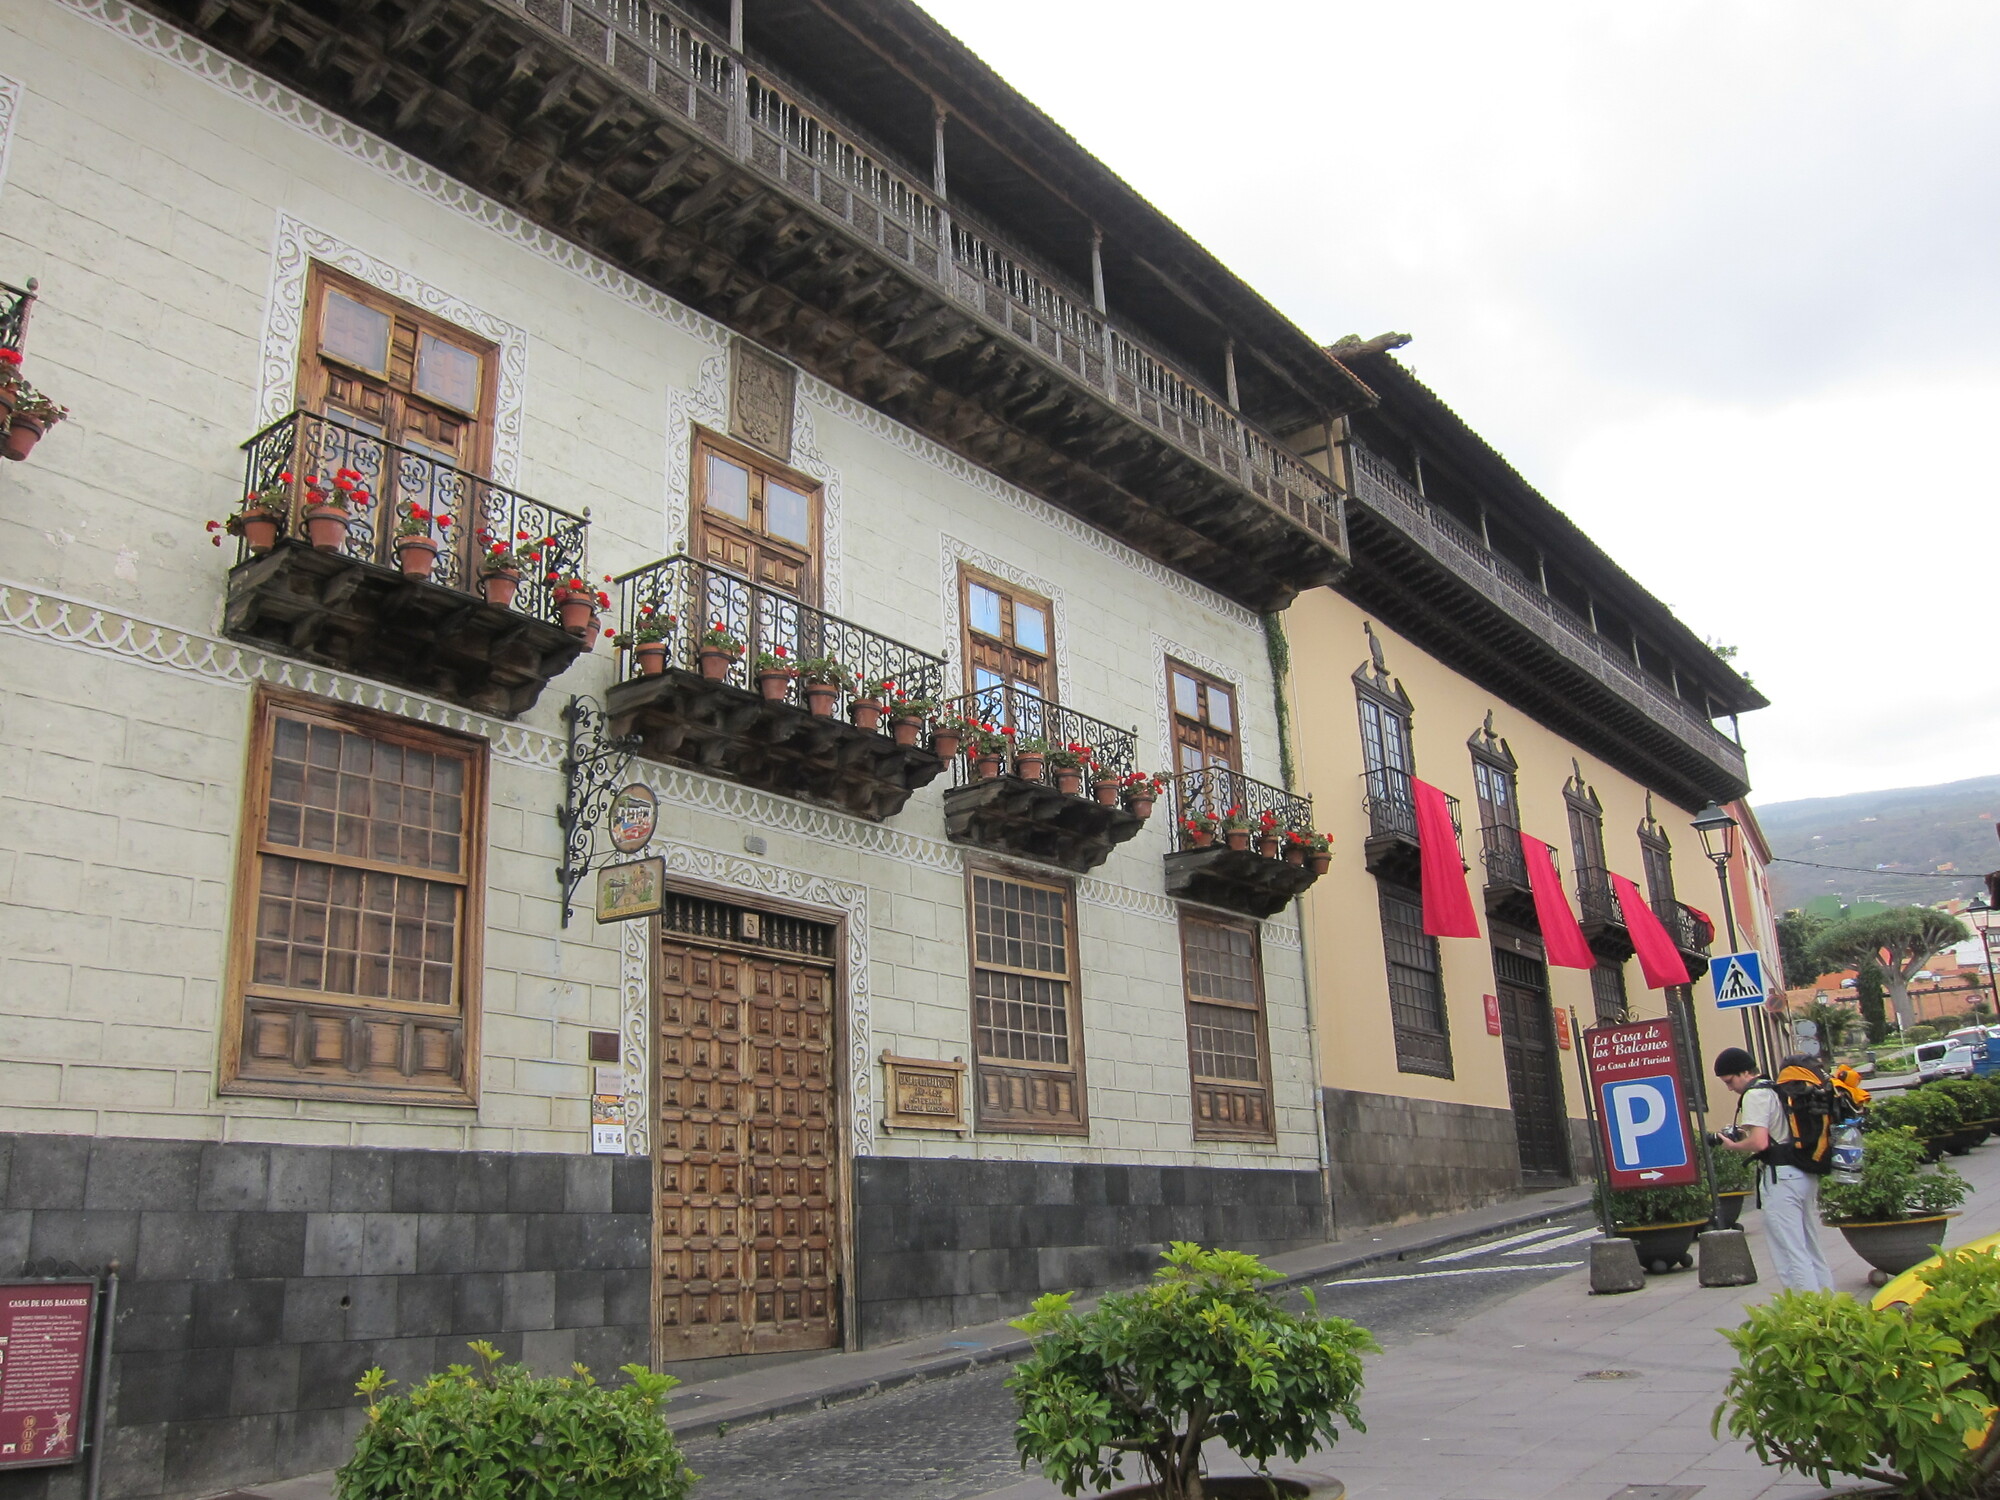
{"x": 259, "y": 529}
{"x": 905, "y": 730}
{"x": 1237, "y": 838}
{"x": 416, "y": 555}
{"x": 573, "y": 611}
{"x": 1295, "y": 854}
{"x": 1029, "y": 767}
{"x": 866, "y": 713}
{"x": 1200, "y": 838}
{"x": 22, "y": 435}
{"x": 8, "y": 391}
{"x": 1319, "y": 864}
{"x": 592, "y": 629}
{"x": 652, "y": 657}
{"x": 988, "y": 767}
{"x": 1069, "y": 780}
{"x": 715, "y": 664}
{"x": 945, "y": 743}
{"x": 1106, "y": 789}
{"x": 326, "y": 526}
{"x": 775, "y": 686}
{"x": 820, "y": 698}
{"x": 500, "y": 587}
{"x": 1140, "y": 806}
{"x": 1267, "y": 845}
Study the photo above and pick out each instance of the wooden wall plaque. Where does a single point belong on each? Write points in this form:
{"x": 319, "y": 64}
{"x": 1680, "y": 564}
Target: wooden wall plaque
{"x": 924, "y": 1094}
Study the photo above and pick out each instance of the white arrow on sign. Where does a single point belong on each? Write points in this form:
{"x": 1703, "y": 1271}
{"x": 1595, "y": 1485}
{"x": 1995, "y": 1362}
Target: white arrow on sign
{"x": 1648, "y": 1176}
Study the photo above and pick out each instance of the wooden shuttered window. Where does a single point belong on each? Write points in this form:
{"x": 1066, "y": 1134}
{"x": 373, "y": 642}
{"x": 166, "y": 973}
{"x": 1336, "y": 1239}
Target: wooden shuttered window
{"x": 355, "y": 961}
{"x": 1008, "y": 635}
{"x": 1204, "y": 719}
{"x": 755, "y": 518}
{"x": 1416, "y": 987}
{"x": 1027, "y": 1030}
{"x": 1229, "y": 1053}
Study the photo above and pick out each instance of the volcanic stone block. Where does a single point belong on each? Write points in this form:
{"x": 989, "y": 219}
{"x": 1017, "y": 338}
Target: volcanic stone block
{"x": 1614, "y": 1266}
{"x": 1724, "y": 1256}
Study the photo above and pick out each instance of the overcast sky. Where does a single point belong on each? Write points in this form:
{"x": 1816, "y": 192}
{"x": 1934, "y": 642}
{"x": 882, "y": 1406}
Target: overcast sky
{"x": 1719, "y": 278}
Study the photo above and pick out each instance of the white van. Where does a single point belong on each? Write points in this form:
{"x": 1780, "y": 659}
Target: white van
{"x": 1943, "y": 1060}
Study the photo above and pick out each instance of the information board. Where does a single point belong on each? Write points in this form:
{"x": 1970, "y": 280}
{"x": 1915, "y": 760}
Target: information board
{"x": 1641, "y": 1114}
{"x": 45, "y": 1342}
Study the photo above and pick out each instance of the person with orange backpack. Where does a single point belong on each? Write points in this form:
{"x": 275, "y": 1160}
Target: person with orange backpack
{"x": 1786, "y": 1125}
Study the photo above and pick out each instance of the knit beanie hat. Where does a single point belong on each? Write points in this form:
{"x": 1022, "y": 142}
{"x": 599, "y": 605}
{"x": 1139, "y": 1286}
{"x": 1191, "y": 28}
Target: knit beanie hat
{"x": 1732, "y": 1060}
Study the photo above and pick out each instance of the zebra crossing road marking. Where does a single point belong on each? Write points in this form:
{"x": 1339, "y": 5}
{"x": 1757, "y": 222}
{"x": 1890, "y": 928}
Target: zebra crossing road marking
{"x": 1559, "y": 1244}
{"x": 1490, "y": 1245}
{"x": 1552, "y": 1265}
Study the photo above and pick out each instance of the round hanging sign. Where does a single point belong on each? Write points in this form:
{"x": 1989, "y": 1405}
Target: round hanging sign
{"x": 633, "y": 816}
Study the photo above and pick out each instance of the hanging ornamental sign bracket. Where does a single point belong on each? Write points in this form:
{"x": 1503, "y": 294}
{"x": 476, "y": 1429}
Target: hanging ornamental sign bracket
{"x": 592, "y": 766}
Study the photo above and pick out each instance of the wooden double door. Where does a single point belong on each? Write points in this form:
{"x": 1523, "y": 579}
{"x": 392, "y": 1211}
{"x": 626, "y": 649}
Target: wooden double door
{"x": 747, "y": 1259}
{"x": 1534, "y": 1072}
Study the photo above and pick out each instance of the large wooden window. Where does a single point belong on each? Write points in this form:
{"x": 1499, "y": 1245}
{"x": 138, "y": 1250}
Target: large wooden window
{"x": 1204, "y": 715}
{"x": 1009, "y": 634}
{"x": 385, "y": 368}
{"x": 1608, "y": 996}
{"x": 755, "y": 518}
{"x": 1493, "y": 784}
{"x": 1228, "y": 1054}
{"x": 1416, "y": 986}
{"x": 1027, "y": 1031}
{"x": 358, "y": 909}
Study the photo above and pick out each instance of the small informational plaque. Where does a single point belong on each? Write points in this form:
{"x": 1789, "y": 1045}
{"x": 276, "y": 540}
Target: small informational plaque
{"x": 633, "y": 815}
{"x": 924, "y": 1094}
{"x": 45, "y": 1342}
{"x": 634, "y": 889}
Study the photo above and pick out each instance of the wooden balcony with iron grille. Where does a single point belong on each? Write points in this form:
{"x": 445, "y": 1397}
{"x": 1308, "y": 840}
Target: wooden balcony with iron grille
{"x": 709, "y": 709}
{"x": 1598, "y": 913}
{"x": 650, "y": 140}
{"x": 1508, "y": 895}
{"x": 1256, "y": 876}
{"x": 1390, "y": 800}
{"x": 352, "y": 606}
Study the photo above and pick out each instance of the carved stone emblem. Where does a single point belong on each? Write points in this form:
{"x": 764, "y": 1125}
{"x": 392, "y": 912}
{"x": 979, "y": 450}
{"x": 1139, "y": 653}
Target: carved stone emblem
{"x": 760, "y": 401}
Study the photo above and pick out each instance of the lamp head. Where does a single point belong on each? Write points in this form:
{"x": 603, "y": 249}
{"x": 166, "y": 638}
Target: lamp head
{"x": 1718, "y": 833}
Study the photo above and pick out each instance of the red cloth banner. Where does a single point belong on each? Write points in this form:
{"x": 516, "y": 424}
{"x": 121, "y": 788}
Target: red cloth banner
{"x": 1562, "y": 938}
{"x": 1447, "y": 901}
{"x": 1659, "y": 960}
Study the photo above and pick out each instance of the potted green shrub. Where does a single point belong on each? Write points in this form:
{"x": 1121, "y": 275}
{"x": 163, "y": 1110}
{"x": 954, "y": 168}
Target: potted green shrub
{"x": 718, "y": 652}
{"x": 1030, "y": 757}
{"x": 1903, "y": 1398}
{"x": 1735, "y": 1181}
{"x": 1204, "y": 1352}
{"x": 1932, "y": 1115}
{"x": 647, "y": 640}
{"x": 1236, "y": 828}
{"x": 824, "y": 678}
{"x": 871, "y": 696}
{"x": 907, "y": 715}
{"x": 257, "y": 520}
{"x": 499, "y": 1433}
{"x": 1660, "y": 1222}
{"x": 774, "y": 673}
{"x": 1973, "y": 1099}
{"x": 1896, "y": 1213}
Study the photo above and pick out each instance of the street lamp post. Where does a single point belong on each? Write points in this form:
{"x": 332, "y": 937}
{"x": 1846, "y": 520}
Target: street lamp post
{"x": 1718, "y": 842}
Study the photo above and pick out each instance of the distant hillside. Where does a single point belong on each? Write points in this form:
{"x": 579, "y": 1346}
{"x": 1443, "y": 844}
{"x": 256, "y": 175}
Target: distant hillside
{"x": 1919, "y": 828}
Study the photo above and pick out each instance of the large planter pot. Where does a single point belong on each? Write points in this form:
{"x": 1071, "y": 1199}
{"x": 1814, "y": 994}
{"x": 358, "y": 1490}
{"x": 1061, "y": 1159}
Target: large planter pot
{"x": 573, "y": 611}
{"x": 1140, "y": 806}
{"x": 1964, "y": 1139}
{"x": 1664, "y": 1247}
{"x": 416, "y": 555}
{"x": 1106, "y": 790}
{"x": 652, "y": 658}
{"x": 1292, "y": 1486}
{"x": 326, "y": 526}
{"x": 1029, "y": 766}
{"x": 1729, "y": 1208}
{"x": 715, "y": 664}
{"x": 1237, "y": 838}
{"x": 258, "y": 528}
{"x": 904, "y": 731}
{"x": 22, "y": 435}
{"x": 866, "y": 713}
{"x": 1892, "y": 1246}
{"x": 1319, "y": 864}
{"x": 500, "y": 588}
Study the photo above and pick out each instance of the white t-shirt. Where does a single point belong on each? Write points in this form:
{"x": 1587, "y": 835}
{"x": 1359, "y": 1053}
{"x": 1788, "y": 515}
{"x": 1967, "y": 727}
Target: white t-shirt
{"x": 1762, "y": 1106}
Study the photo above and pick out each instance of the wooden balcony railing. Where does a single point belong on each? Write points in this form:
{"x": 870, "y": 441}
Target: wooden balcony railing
{"x": 1596, "y": 905}
{"x": 1391, "y": 803}
{"x": 306, "y": 445}
{"x": 1500, "y": 852}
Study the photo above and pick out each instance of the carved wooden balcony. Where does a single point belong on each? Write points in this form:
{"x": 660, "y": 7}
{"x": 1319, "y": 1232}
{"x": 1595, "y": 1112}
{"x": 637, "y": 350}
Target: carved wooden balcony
{"x": 718, "y": 718}
{"x": 1391, "y": 851}
{"x": 1054, "y": 817}
{"x": 353, "y": 607}
{"x": 1249, "y": 879}
{"x": 1509, "y": 897}
{"x": 1597, "y": 912}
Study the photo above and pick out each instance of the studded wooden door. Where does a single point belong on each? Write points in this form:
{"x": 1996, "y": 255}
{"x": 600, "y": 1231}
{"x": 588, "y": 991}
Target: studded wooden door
{"x": 1534, "y": 1077}
{"x": 747, "y": 1258}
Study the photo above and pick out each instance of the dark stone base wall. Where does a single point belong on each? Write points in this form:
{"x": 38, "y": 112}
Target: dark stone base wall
{"x": 945, "y": 1243}
{"x": 1395, "y": 1158}
{"x": 257, "y": 1283}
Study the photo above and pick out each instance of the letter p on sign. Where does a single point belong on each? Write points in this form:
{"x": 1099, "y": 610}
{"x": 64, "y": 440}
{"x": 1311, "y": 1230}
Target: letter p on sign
{"x": 1641, "y": 1113}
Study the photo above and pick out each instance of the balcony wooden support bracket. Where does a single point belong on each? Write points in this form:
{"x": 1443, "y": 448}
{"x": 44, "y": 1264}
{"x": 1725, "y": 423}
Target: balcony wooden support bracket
{"x": 1033, "y": 820}
{"x": 1240, "y": 880}
{"x": 1393, "y": 857}
{"x": 376, "y": 622}
{"x": 773, "y": 746}
{"x": 1511, "y": 903}
{"x": 1610, "y": 941}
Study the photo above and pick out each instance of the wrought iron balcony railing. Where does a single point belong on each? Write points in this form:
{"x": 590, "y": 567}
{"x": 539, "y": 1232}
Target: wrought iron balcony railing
{"x": 1033, "y": 717}
{"x": 1595, "y": 902}
{"x": 16, "y": 302}
{"x": 308, "y": 446}
{"x": 1215, "y": 790}
{"x": 1391, "y": 803}
{"x": 682, "y": 598}
{"x": 1500, "y": 852}
{"x": 1382, "y": 489}
{"x": 1689, "y": 932}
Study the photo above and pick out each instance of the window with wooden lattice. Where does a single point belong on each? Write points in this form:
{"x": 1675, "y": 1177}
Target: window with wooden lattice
{"x": 1416, "y": 986}
{"x": 358, "y": 912}
{"x": 1229, "y": 1055}
{"x": 1027, "y": 1030}
{"x": 1009, "y": 635}
{"x": 755, "y": 518}
{"x": 1204, "y": 719}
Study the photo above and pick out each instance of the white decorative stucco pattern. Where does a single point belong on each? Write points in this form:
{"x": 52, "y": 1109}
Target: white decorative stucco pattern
{"x": 635, "y": 994}
{"x": 706, "y": 403}
{"x": 10, "y": 109}
{"x": 295, "y": 246}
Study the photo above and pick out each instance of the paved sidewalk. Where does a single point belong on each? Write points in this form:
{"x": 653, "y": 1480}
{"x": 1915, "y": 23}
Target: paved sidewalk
{"x": 1559, "y": 1395}
{"x": 808, "y": 1385}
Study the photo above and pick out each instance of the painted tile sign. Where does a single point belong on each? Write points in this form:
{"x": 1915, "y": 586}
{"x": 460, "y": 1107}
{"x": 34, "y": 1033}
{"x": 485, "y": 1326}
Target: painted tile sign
{"x": 44, "y": 1353}
{"x": 1635, "y": 1076}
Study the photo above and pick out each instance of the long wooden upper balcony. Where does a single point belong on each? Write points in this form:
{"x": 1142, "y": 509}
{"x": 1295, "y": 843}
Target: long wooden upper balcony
{"x": 1581, "y": 681}
{"x": 634, "y": 129}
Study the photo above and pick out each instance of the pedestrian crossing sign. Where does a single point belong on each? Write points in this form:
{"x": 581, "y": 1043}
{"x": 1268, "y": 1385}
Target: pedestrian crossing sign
{"x": 1738, "y": 979}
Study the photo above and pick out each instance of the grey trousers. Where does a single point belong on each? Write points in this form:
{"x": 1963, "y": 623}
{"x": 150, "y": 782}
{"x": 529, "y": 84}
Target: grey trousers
{"x": 1791, "y": 1221}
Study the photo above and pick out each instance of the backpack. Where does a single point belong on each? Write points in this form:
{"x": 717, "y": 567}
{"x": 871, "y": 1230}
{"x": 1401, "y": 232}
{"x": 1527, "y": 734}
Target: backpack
{"x": 1811, "y": 1106}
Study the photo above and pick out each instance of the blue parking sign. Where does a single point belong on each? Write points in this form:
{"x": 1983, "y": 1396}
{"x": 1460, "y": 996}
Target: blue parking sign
{"x": 1643, "y": 1118}
{"x": 1738, "y": 980}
